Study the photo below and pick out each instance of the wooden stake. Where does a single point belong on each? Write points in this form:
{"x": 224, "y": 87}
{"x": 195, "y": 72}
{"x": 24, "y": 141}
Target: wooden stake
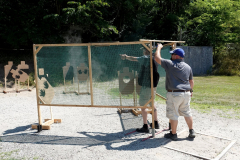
{"x": 28, "y": 83}
{"x": 5, "y": 84}
{"x": 64, "y": 85}
{"x": 36, "y": 79}
{"x": 90, "y": 72}
{"x": 161, "y": 96}
{"x": 152, "y": 91}
{"x": 51, "y": 112}
{"x": 147, "y": 40}
{"x": 78, "y": 86}
{"x": 133, "y": 89}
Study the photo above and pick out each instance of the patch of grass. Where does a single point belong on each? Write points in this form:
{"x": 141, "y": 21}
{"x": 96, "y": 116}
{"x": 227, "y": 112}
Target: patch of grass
{"x": 217, "y": 92}
{"x": 8, "y": 155}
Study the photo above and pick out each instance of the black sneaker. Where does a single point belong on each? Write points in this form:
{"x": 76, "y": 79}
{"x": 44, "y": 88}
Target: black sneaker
{"x": 156, "y": 125}
{"x": 142, "y": 130}
{"x": 191, "y": 133}
{"x": 171, "y": 136}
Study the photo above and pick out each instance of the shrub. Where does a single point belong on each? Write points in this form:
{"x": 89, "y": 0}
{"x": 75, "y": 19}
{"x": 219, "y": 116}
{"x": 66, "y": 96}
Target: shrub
{"x": 227, "y": 60}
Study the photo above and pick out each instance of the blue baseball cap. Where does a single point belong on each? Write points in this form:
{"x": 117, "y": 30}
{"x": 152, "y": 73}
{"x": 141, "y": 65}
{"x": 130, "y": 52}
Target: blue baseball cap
{"x": 178, "y": 51}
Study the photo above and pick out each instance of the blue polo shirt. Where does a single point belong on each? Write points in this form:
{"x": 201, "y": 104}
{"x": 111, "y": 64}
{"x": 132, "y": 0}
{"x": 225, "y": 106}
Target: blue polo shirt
{"x": 178, "y": 74}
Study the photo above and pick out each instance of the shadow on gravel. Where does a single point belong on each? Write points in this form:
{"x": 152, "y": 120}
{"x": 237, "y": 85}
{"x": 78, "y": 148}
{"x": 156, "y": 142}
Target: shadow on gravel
{"x": 126, "y": 139}
{"x": 17, "y": 129}
{"x": 111, "y": 141}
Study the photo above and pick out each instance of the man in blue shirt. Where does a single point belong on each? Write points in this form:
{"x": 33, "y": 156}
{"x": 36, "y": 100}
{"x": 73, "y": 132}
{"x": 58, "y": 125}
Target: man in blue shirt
{"x": 179, "y": 84}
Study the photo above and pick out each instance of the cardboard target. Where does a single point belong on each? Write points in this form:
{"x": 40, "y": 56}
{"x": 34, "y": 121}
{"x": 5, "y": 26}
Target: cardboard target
{"x": 45, "y": 90}
{"x": 65, "y": 69}
{"x": 7, "y": 68}
{"x": 23, "y": 65}
{"x": 126, "y": 88}
{"x": 19, "y": 75}
{"x": 82, "y": 72}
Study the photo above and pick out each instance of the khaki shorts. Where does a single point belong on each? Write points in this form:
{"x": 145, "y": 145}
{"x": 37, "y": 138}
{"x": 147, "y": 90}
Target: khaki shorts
{"x": 145, "y": 95}
{"x": 178, "y": 104}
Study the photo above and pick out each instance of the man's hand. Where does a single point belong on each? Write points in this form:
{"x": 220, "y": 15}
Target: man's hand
{"x": 123, "y": 56}
{"x": 159, "y": 45}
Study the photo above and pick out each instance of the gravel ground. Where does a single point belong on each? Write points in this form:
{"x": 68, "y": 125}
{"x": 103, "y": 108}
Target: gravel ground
{"x": 100, "y": 133}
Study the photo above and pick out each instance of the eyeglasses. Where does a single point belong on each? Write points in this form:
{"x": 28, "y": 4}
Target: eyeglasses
{"x": 174, "y": 54}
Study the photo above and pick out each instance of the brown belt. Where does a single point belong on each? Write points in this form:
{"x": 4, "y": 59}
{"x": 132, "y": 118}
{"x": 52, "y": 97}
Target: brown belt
{"x": 178, "y": 90}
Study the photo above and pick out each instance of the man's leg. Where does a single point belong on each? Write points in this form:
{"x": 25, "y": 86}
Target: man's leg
{"x": 173, "y": 134}
{"x": 144, "y": 129}
{"x": 144, "y": 115}
{"x": 189, "y": 122}
{"x": 174, "y": 124}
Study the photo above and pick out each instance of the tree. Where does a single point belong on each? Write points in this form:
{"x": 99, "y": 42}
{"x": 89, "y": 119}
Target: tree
{"x": 86, "y": 20}
{"x": 215, "y": 23}
{"x": 212, "y": 22}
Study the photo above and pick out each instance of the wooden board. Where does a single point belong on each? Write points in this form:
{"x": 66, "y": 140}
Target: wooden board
{"x": 137, "y": 112}
{"x": 44, "y": 127}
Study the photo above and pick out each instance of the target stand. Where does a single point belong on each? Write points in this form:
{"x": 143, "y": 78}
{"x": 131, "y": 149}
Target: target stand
{"x": 19, "y": 76}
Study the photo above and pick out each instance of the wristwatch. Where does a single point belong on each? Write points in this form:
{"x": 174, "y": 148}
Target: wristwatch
{"x": 191, "y": 90}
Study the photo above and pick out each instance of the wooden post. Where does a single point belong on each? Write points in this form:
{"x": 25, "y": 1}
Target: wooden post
{"x": 5, "y": 84}
{"x": 51, "y": 112}
{"x": 152, "y": 91}
{"x": 36, "y": 78}
{"x": 18, "y": 86}
{"x": 78, "y": 86}
{"x": 90, "y": 72}
{"x": 136, "y": 87}
{"x": 64, "y": 85}
{"x": 28, "y": 83}
{"x": 133, "y": 89}
{"x": 73, "y": 83}
{"x": 88, "y": 85}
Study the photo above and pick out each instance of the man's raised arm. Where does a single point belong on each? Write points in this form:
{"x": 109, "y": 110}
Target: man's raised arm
{"x": 158, "y": 53}
{"x": 130, "y": 58}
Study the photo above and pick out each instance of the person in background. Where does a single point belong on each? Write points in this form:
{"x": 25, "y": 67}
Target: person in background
{"x": 144, "y": 80}
{"x": 179, "y": 86}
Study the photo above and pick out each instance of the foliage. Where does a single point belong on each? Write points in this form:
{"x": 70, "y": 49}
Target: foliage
{"x": 165, "y": 19}
{"x": 88, "y": 19}
{"x": 198, "y": 22}
{"x": 228, "y": 60}
{"x": 212, "y": 22}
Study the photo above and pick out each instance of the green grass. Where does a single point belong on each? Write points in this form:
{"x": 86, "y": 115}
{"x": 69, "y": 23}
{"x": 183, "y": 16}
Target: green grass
{"x": 221, "y": 93}
{"x": 217, "y": 92}
{"x": 8, "y": 155}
